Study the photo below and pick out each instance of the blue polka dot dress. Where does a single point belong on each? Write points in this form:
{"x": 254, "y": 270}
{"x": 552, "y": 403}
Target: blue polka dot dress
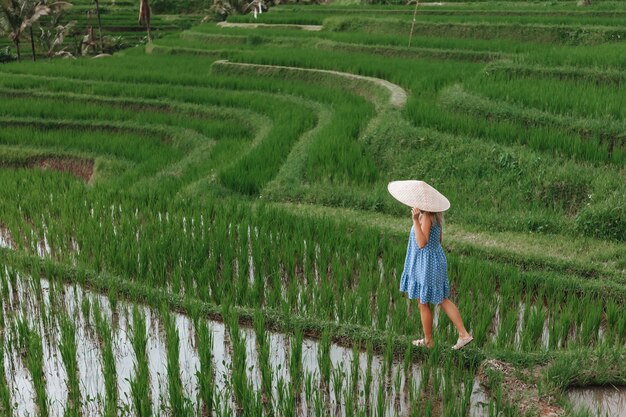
{"x": 425, "y": 274}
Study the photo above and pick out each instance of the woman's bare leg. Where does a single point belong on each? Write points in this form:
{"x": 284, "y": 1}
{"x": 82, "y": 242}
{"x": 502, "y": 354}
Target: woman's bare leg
{"x": 453, "y": 313}
{"x": 427, "y": 322}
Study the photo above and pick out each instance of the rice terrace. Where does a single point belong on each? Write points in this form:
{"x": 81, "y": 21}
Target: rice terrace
{"x": 195, "y": 217}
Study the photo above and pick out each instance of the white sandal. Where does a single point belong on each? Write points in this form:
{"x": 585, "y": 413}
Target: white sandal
{"x": 462, "y": 342}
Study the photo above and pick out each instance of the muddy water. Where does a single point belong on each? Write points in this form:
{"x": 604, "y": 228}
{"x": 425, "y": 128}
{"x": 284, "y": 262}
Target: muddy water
{"x": 479, "y": 401}
{"x": 5, "y": 238}
{"x": 600, "y": 401}
{"x": 23, "y": 302}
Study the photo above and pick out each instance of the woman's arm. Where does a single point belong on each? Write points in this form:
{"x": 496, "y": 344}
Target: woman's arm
{"x": 421, "y": 224}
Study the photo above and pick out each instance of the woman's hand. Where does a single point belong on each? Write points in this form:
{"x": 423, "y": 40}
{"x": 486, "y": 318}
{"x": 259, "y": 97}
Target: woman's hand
{"x": 416, "y": 214}
{"x": 421, "y": 225}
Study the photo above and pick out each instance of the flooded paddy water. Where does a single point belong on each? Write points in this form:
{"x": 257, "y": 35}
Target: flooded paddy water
{"x": 40, "y": 305}
{"x": 606, "y": 401}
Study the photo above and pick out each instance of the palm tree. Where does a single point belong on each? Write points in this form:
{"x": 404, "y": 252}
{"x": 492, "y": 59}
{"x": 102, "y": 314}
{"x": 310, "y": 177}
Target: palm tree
{"x": 18, "y": 15}
{"x": 99, "y": 24}
{"x": 53, "y": 34}
{"x": 144, "y": 15}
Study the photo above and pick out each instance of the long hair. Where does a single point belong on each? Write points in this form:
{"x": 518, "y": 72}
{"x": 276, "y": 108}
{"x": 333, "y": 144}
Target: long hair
{"x": 436, "y": 217}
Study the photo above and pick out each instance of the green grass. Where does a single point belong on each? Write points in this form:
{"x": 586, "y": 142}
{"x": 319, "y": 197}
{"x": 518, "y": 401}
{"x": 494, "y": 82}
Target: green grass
{"x": 68, "y": 348}
{"x": 103, "y": 328}
{"x": 140, "y": 383}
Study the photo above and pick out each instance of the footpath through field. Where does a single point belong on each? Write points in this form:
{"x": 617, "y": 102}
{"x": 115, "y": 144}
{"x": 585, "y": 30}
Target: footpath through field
{"x": 398, "y": 95}
{"x": 312, "y": 28}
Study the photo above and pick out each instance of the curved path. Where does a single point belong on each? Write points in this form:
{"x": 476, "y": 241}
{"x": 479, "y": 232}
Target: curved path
{"x": 397, "y": 95}
{"x": 312, "y": 28}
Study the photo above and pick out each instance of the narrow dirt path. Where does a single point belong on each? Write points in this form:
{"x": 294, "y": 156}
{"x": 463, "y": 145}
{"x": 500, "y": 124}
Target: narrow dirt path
{"x": 312, "y": 28}
{"x": 398, "y": 95}
{"x": 521, "y": 394}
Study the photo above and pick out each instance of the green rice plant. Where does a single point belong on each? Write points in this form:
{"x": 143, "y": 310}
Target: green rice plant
{"x": 414, "y": 399}
{"x": 482, "y": 30}
{"x": 206, "y": 374}
{"x": 225, "y": 410}
{"x": 178, "y": 402}
{"x": 319, "y": 406}
{"x": 554, "y": 301}
{"x": 3, "y": 297}
{"x": 354, "y": 368}
{"x": 388, "y": 354}
{"x": 615, "y": 321}
{"x": 539, "y": 91}
{"x": 68, "y": 348}
{"x": 286, "y": 400}
{"x": 348, "y": 395}
{"x": 339, "y": 376}
{"x": 578, "y": 141}
{"x": 323, "y": 358}
{"x": 367, "y": 385}
{"x": 6, "y": 406}
{"x": 566, "y": 323}
{"x": 309, "y": 390}
{"x": 112, "y": 297}
{"x": 258, "y": 286}
{"x": 263, "y": 347}
{"x": 468, "y": 386}
{"x": 295, "y": 363}
{"x": 381, "y": 403}
{"x": 533, "y": 327}
{"x": 382, "y": 308}
{"x": 590, "y": 325}
{"x": 397, "y": 383}
{"x": 140, "y": 382}
{"x": 244, "y": 395}
{"x": 31, "y": 345}
{"x": 105, "y": 338}
{"x": 85, "y": 308}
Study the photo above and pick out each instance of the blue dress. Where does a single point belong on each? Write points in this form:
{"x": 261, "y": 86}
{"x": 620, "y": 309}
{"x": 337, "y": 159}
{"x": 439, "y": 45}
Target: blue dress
{"x": 425, "y": 274}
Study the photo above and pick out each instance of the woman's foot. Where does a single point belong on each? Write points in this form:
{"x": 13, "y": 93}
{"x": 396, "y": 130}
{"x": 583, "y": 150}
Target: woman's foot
{"x": 462, "y": 341}
{"x": 423, "y": 343}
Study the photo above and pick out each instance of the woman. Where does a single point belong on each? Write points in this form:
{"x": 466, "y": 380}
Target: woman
{"x": 425, "y": 275}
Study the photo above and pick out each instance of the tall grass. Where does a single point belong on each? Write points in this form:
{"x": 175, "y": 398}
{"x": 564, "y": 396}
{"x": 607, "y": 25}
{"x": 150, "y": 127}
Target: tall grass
{"x": 68, "y": 348}
{"x": 263, "y": 349}
{"x": 246, "y": 399}
{"x": 179, "y": 404}
{"x": 31, "y": 345}
{"x": 323, "y": 358}
{"x": 105, "y": 337}
{"x": 140, "y": 382}
{"x": 206, "y": 373}
{"x": 6, "y": 405}
{"x": 295, "y": 364}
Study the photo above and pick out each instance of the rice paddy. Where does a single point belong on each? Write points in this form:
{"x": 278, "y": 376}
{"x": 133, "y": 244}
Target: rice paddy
{"x": 201, "y": 226}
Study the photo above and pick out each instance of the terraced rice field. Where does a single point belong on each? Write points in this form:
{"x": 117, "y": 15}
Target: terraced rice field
{"x": 201, "y": 226}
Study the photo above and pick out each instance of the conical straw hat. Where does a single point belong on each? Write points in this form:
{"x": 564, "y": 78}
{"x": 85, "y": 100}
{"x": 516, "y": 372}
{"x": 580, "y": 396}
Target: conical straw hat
{"x": 418, "y": 194}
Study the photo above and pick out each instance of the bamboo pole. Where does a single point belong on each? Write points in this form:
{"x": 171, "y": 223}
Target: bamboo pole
{"x": 417, "y": 2}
